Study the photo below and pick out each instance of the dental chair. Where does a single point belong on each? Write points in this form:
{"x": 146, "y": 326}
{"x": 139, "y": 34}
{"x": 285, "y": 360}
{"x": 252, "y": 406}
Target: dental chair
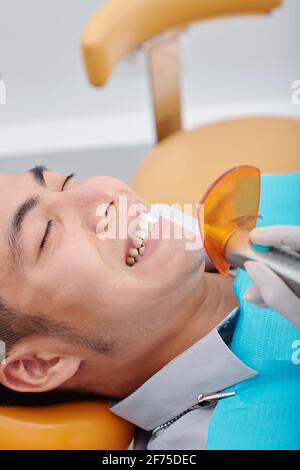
{"x": 183, "y": 164}
{"x": 193, "y": 159}
{"x": 69, "y": 426}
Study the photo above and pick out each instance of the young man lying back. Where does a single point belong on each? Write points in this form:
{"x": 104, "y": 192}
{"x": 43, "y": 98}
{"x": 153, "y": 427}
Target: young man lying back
{"x": 132, "y": 317}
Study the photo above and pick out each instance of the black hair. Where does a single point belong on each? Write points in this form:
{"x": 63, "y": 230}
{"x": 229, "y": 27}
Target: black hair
{"x": 10, "y": 397}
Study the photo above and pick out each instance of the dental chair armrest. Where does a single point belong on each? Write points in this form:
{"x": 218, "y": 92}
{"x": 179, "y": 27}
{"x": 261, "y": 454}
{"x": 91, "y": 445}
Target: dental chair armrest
{"x": 122, "y": 25}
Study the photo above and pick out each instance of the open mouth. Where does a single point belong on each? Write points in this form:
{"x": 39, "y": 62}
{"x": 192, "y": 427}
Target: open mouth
{"x": 138, "y": 243}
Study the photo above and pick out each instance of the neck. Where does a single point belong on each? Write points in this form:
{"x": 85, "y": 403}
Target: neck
{"x": 206, "y": 310}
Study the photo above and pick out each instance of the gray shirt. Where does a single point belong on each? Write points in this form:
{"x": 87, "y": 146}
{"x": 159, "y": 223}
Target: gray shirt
{"x": 207, "y": 367}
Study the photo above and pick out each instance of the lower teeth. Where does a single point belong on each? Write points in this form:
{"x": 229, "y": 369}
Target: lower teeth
{"x": 135, "y": 255}
{"x": 140, "y": 242}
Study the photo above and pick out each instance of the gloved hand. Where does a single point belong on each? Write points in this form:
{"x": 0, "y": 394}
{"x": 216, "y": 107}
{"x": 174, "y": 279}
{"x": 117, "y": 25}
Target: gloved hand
{"x": 268, "y": 289}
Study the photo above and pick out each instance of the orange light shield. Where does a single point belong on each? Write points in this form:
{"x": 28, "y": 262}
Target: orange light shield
{"x": 231, "y": 203}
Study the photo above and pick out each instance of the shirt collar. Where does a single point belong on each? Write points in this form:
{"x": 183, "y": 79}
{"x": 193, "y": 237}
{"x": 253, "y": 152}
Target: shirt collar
{"x": 208, "y": 366}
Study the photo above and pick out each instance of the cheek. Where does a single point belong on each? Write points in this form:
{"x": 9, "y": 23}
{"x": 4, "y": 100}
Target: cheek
{"x": 63, "y": 280}
{"x": 79, "y": 274}
{"x": 180, "y": 263}
{"x": 98, "y": 292}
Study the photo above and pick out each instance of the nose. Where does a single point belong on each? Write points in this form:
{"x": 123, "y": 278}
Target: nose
{"x": 82, "y": 200}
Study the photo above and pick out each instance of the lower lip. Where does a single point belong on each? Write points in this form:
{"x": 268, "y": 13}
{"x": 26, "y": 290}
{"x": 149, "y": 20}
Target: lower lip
{"x": 152, "y": 244}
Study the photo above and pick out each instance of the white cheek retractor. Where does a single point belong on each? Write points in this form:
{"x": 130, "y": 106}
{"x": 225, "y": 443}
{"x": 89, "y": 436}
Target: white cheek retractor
{"x": 175, "y": 215}
{"x": 182, "y": 219}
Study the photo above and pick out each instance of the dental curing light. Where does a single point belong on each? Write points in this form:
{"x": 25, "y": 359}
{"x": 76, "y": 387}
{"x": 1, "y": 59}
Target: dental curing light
{"x": 227, "y": 213}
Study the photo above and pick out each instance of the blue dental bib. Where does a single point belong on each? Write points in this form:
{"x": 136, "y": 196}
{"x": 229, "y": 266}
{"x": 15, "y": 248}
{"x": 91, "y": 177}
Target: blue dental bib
{"x": 265, "y": 412}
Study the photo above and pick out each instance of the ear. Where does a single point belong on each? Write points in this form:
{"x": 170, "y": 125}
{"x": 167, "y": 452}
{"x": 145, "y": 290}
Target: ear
{"x": 36, "y": 365}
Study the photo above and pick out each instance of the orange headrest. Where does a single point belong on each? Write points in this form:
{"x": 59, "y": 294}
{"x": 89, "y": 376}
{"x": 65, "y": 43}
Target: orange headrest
{"x": 71, "y": 426}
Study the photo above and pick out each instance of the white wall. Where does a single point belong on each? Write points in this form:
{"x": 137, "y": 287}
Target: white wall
{"x": 232, "y": 66}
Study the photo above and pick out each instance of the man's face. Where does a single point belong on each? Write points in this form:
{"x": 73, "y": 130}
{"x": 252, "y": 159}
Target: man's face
{"x": 81, "y": 277}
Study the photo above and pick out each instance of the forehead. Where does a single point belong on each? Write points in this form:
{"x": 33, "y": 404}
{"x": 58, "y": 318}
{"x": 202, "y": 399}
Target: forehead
{"x": 14, "y": 188}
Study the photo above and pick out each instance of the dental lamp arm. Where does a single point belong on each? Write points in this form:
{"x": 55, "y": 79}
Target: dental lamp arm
{"x": 123, "y": 25}
{"x": 268, "y": 289}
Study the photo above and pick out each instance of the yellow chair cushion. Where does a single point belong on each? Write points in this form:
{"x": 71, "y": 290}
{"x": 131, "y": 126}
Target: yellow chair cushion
{"x": 181, "y": 168}
{"x": 120, "y": 26}
{"x": 71, "y": 426}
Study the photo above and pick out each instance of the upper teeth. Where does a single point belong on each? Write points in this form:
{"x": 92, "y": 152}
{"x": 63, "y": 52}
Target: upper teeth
{"x": 139, "y": 243}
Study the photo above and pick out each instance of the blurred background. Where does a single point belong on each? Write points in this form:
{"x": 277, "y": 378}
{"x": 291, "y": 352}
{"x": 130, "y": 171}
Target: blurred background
{"x": 230, "y": 67}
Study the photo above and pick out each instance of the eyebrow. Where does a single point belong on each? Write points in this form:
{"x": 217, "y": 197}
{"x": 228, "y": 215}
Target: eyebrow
{"x": 38, "y": 174}
{"x": 17, "y": 221}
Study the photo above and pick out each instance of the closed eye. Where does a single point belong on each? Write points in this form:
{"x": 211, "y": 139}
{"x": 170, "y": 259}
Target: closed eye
{"x": 67, "y": 179}
{"x": 47, "y": 233}
{"x": 50, "y": 223}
